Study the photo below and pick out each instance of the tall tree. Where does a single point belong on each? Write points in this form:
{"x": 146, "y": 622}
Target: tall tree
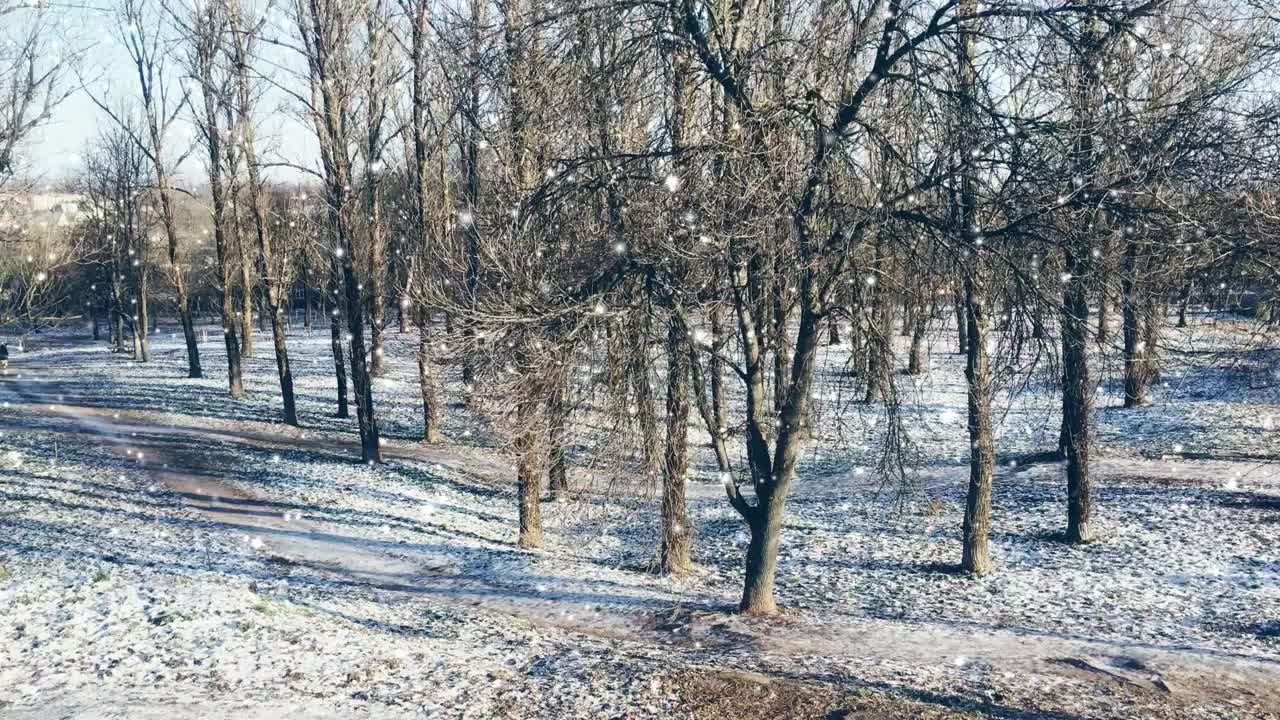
{"x": 204, "y": 30}
{"x": 273, "y": 266}
{"x": 327, "y": 30}
{"x": 140, "y": 26}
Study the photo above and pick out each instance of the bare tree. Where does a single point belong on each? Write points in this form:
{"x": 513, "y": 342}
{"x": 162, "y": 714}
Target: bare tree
{"x": 327, "y": 29}
{"x": 273, "y": 265}
{"x": 139, "y": 24}
{"x": 204, "y": 32}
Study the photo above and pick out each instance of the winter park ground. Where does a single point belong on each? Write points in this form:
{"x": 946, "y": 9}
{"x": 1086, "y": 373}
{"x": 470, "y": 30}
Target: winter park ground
{"x": 167, "y": 552}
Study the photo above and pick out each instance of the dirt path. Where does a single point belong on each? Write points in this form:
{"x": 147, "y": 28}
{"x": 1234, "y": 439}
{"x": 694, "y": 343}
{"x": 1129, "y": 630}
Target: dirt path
{"x": 172, "y": 457}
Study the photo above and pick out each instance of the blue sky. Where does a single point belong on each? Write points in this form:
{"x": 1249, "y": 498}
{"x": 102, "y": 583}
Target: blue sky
{"x": 53, "y": 152}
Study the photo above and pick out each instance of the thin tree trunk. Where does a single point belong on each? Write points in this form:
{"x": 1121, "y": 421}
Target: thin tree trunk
{"x": 1184, "y": 300}
{"x": 144, "y": 311}
{"x": 716, "y": 369}
{"x": 285, "y": 372}
{"x": 962, "y": 322}
{"x": 246, "y": 280}
{"x": 527, "y": 476}
{"x": 339, "y": 365}
{"x": 307, "y": 306}
{"x": 714, "y": 428}
{"x": 378, "y": 303}
{"x": 636, "y": 340}
{"x": 781, "y": 344}
{"x": 1104, "y": 315}
{"x": 137, "y": 340}
{"x": 370, "y": 445}
{"x": 677, "y": 536}
{"x": 1037, "y": 318}
{"x": 427, "y": 384}
{"x": 1137, "y": 380}
{"x": 557, "y": 429}
{"x": 1076, "y": 399}
{"x": 919, "y": 362}
{"x": 975, "y": 557}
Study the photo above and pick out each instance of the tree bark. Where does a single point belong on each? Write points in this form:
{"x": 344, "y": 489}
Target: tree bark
{"x": 677, "y": 536}
{"x": 709, "y": 416}
{"x": 1076, "y": 399}
{"x": 638, "y": 372}
{"x": 144, "y": 319}
{"x": 339, "y": 365}
{"x": 427, "y": 384}
{"x": 1137, "y": 377}
{"x": 557, "y": 429}
{"x": 527, "y": 476}
{"x": 246, "y": 294}
{"x": 220, "y": 158}
{"x": 1184, "y": 300}
{"x": 975, "y": 557}
{"x": 1104, "y": 315}
{"x": 919, "y": 362}
{"x": 772, "y": 476}
{"x": 275, "y": 291}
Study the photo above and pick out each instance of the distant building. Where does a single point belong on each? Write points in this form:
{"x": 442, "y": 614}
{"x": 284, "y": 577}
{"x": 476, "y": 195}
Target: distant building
{"x": 41, "y": 210}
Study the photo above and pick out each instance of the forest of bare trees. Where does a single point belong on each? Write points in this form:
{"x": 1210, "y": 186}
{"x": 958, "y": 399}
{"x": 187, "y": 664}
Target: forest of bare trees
{"x": 651, "y": 220}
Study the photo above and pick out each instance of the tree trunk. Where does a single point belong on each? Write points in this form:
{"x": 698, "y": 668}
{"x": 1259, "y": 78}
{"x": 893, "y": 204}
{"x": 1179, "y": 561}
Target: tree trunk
{"x": 676, "y": 534}
{"x": 976, "y": 557}
{"x": 557, "y": 429}
{"x": 246, "y": 293}
{"x": 307, "y": 307}
{"x": 378, "y": 291}
{"x": 638, "y": 371}
{"x": 117, "y": 321}
{"x": 714, "y": 427}
{"x": 1137, "y": 378}
{"x": 1184, "y": 299}
{"x": 962, "y": 322}
{"x": 762, "y": 561}
{"x": 1076, "y": 398}
{"x": 137, "y": 340}
{"x": 1104, "y": 315}
{"x": 772, "y": 476}
{"x": 140, "y": 323}
{"x": 362, "y": 382}
{"x": 919, "y": 362}
{"x": 235, "y": 374}
{"x": 527, "y": 475}
{"x": 278, "y": 335}
{"x": 378, "y": 366}
{"x": 1037, "y": 318}
{"x": 879, "y": 332}
{"x": 781, "y": 344}
{"x": 427, "y": 383}
{"x": 339, "y": 365}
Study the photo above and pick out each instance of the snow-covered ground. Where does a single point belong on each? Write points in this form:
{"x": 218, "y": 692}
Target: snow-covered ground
{"x": 166, "y": 551}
